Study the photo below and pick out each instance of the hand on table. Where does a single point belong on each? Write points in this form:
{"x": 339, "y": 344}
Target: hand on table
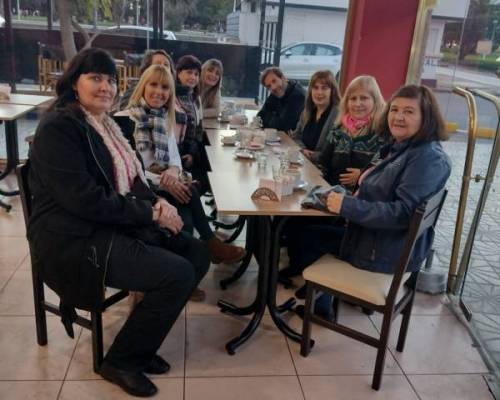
{"x": 334, "y": 202}
{"x": 307, "y": 153}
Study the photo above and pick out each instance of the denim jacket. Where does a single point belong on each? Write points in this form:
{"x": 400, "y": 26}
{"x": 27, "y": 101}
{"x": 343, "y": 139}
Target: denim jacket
{"x": 380, "y": 214}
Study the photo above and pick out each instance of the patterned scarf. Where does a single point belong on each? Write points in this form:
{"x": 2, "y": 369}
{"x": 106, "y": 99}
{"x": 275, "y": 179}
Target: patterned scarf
{"x": 151, "y": 130}
{"x": 354, "y": 125}
{"x": 126, "y": 165}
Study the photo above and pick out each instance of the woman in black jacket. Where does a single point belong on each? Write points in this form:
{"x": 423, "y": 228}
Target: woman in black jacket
{"x": 96, "y": 222}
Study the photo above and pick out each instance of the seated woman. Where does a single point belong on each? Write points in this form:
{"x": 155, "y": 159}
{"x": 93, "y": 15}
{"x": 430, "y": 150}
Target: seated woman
{"x": 411, "y": 168}
{"x": 152, "y": 57}
{"x": 210, "y": 84}
{"x": 152, "y": 109}
{"x": 96, "y": 222}
{"x": 191, "y": 147}
{"x": 349, "y": 146}
{"x": 352, "y": 142}
{"x": 319, "y": 114}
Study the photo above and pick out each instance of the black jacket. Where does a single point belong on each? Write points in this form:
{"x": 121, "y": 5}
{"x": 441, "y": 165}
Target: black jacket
{"x": 283, "y": 113}
{"x": 75, "y": 209}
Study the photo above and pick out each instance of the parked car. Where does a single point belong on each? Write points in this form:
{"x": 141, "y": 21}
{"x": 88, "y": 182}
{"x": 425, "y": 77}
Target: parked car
{"x": 2, "y": 21}
{"x": 139, "y": 31}
{"x": 300, "y": 60}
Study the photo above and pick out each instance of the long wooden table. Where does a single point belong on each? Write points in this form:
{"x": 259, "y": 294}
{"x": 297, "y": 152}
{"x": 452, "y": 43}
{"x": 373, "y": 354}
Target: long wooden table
{"x": 232, "y": 182}
{"x": 15, "y": 107}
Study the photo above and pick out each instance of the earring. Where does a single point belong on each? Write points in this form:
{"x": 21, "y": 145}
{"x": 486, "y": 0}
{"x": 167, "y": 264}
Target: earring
{"x": 76, "y": 95}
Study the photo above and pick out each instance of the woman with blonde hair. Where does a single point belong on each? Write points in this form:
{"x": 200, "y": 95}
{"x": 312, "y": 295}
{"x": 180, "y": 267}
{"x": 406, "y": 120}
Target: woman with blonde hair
{"x": 152, "y": 108}
{"x": 352, "y": 142}
{"x": 210, "y": 83}
{"x": 319, "y": 114}
{"x": 349, "y": 147}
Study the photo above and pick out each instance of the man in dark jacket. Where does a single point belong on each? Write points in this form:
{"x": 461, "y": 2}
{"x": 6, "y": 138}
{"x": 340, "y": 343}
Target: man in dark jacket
{"x": 285, "y": 103}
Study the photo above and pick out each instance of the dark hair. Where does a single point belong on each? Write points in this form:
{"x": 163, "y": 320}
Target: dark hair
{"x": 326, "y": 77}
{"x": 271, "y": 70}
{"x": 188, "y": 62}
{"x": 86, "y": 61}
{"x": 148, "y": 59}
{"x": 432, "y": 127}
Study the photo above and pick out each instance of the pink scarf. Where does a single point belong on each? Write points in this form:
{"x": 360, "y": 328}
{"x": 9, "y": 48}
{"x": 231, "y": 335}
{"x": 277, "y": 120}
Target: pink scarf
{"x": 126, "y": 165}
{"x": 355, "y": 125}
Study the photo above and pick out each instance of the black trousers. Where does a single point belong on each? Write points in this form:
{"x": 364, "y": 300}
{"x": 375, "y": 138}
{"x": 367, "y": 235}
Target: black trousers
{"x": 167, "y": 277}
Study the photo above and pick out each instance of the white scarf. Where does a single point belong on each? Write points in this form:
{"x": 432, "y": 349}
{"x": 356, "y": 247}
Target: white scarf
{"x": 126, "y": 165}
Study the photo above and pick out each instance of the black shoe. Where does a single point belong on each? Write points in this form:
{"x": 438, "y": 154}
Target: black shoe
{"x": 301, "y": 310}
{"x": 367, "y": 311}
{"x": 157, "y": 366}
{"x": 134, "y": 383}
{"x": 300, "y": 293}
{"x": 288, "y": 272}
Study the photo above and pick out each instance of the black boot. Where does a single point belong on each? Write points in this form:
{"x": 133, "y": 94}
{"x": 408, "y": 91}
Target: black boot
{"x": 157, "y": 366}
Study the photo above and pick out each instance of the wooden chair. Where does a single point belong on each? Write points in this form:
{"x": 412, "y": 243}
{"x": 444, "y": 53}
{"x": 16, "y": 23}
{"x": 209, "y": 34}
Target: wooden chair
{"x": 94, "y": 324}
{"x": 388, "y": 294}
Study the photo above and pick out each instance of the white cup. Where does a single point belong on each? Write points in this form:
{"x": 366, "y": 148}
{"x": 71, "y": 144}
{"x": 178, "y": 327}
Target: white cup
{"x": 271, "y": 134}
{"x": 293, "y": 156}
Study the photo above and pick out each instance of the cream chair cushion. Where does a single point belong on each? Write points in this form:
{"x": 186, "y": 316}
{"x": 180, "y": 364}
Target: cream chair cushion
{"x": 341, "y": 276}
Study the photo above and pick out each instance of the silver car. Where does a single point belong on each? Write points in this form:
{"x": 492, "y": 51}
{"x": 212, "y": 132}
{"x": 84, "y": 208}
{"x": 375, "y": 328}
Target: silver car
{"x": 300, "y": 60}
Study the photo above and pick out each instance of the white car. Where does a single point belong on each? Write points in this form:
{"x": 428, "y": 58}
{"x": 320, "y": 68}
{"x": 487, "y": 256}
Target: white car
{"x": 300, "y": 60}
{"x": 2, "y": 21}
{"x": 140, "y": 31}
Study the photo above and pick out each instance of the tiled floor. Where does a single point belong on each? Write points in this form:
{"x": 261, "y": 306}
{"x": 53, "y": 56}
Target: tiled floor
{"x": 439, "y": 362}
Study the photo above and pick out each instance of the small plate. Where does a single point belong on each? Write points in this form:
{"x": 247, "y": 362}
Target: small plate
{"x": 244, "y": 154}
{"x": 300, "y": 161}
{"x": 256, "y": 146}
{"x": 300, "y": 185}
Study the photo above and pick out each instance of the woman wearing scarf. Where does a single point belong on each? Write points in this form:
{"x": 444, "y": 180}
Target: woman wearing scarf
{"x": 192, "y": 146}
{"x": 152, "y": 109}
{"x": 349, "y": 148}
{"x": 352, "y": 142}
{"x": 96, "y": 222}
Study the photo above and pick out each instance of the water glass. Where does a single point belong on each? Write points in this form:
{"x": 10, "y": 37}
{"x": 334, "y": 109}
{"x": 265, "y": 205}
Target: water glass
{"x": 261, "y": 160}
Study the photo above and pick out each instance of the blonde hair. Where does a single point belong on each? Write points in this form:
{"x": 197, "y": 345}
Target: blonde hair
{"x": 163, "y": 75}
{"x": 210, "y": 94}
{"x": 368, "y": 83}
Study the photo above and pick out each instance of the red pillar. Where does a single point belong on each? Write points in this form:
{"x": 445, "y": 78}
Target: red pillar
{"x": 378, "y": 40}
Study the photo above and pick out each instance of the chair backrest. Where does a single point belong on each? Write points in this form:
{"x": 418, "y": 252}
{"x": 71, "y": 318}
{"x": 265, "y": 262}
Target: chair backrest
{"x": 22, "y": 172}
{"x": 425, "y": 216}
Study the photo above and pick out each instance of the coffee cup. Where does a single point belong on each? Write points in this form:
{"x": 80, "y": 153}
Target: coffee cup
{"x": 294, "y": 156}
{"x": 271, "y": 134}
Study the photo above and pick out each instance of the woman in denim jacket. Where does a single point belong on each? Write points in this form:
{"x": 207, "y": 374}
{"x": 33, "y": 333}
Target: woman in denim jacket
{"x": 411, "y": 168}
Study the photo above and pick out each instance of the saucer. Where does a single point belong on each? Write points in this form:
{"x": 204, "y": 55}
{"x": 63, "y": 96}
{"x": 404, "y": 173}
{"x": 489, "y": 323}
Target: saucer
{"x": 256, "y": 146}
{"x": 244, "y": 154}
{"x": 300, "y": 185}
{"x": 300, "y": 161}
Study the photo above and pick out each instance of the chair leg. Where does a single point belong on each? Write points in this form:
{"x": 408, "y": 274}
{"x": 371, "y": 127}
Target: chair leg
{"x": 405, "y": 322}
{"x": 39, "y": 298}
{"x": 305, "y": 346}
{"x": 97, "y": 346}
{"x": 335, "y": 306}
{"x": 381, "y": 352}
